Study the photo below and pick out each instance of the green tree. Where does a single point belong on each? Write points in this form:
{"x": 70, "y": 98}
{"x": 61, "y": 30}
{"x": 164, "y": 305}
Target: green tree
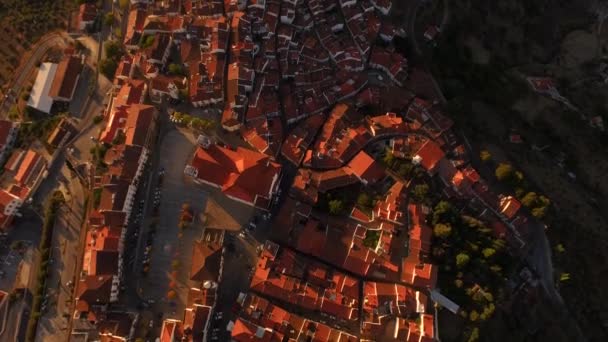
{"x": 530, "y": 199}
{"x": 420, "y": 192}
{"x": 474, "y": 316}
{"x": 462, "y": 259}
{"x": 485, "y": 155}
{"x": 107, "y": 67}
{"x": 336, "y": 207}
{"x": 488, "y": 252}
{"x": 389, "y": 158}
{"x": 176, "y": 69}
{"x": 364, "y": 200}
{"x": 539, "y": 212}
{"x": 108, "y": 19}
{"x": 474, "y": 337}
{"x": 444, "y": 212}
{"x": 504, "y": 172}
{"x": 405, "y": 170}
{"x": 442, "y": 230}
{"x": 13, "y": 113}
{"x": 147, "y": 41}
{"x": 114, "y": 50}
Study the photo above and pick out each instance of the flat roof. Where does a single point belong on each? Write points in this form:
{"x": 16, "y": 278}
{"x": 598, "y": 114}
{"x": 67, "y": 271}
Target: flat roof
{"x": 39, "y": 96}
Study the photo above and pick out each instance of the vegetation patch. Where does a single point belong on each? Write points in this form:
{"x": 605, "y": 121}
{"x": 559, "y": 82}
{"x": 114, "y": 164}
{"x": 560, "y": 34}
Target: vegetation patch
{"x": 474, "y": 264}
{"x": 50, "y": 214}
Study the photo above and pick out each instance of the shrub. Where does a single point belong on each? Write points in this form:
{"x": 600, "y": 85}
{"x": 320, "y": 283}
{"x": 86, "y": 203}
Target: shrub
{"x": 485, "y": 155}
{"x": 371, "y": 239}
{"x": 108, "y": 20}
{"x": 107, "y": 67}
{"x": 504, "y": 172}
{"x": 462, "y": 260}
{"x": 420, "y": 192}
{"x": 336, "y": 207}
{"x": 442, "y": 230}
{"x": 114, "y": 50}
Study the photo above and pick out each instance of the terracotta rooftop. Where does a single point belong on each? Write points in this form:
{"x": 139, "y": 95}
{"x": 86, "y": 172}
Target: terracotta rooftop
{"x": 206, "y": 256}
{"x": 243, "y": 174}
{"x": 66, "y": 76}
{"x": 431, "y": 154}
{"x": 366, "y": 168}
{"x": 5, "y": 129}
{"x": 27, "y": 167}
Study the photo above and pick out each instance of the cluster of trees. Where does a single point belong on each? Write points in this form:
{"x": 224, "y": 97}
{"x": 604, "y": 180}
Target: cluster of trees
{"x": 34, "y": 18}
{"x": 50, "y": 213}
{"x": 365, "y": 203}
{"x": 402, "y": 167}
{"x": 98, "y": 152}
{"x": 113, "y": 53}
{"x": 334, "y": 202}
{"x": 194, "y": 122}
{"x": 473, "y": 261}
{"x": 36, "y": 129}
{"x": 538, "y": 204}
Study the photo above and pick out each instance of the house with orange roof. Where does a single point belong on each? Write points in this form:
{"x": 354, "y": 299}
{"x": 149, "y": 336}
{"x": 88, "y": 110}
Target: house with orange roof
{"x": 419, "y": 274}
{"x": 31, "y": 169}
{"x": 261, "y": 320}
{"x": 66, "y": 78}
{"x": 172, "y": 330}
{"x": 390, "y": 305}
{"x": 392, "y": 207}
{"x": 299, "y": 140}
{"x": 93, "y": 293}
{"x": 243, "y": 175}
{"x": 429, "y": 156}
{"x": 386, "y": 125}
{"x": 364, "y": 167}
{"x": 9, "y": 208}
{"x": 207, "y": 257}
{"x": 509, "y": 206}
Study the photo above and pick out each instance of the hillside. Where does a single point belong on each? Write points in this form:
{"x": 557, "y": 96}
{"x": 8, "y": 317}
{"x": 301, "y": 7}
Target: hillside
{"x": 481, "y": 61}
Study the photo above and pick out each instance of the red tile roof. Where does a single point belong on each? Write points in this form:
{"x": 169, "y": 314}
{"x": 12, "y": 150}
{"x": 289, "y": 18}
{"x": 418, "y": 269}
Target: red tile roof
{"x": 139, "y": 124}
{"x": 93, "y": 290}
{"x": 431, "y": 154}
{"x": 66, "y": 76}
{"x": 206, "y": 256}
{"x": 30, "y": 161}
{"x": 366, "y": 168}
{"x": 5, "y": 129}
{"x": 509, "y": 206}
{"x": 243, "y": 174}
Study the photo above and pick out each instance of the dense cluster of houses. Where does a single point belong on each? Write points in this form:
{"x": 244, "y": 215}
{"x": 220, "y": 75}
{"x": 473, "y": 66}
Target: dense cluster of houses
{"x": 128, "y": 134}
{"x": 23, "y": 172}
{"x": 270, "y": 64}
